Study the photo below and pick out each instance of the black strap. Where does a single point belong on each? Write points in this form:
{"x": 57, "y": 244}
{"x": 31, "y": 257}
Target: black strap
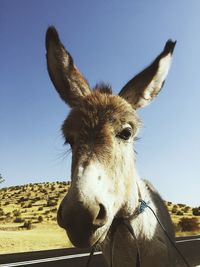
{"x": 129, "y": 227}
{"x": 138, "y": 260}
{"x": 90, "y": 257}
{"x": 115, "y": 224}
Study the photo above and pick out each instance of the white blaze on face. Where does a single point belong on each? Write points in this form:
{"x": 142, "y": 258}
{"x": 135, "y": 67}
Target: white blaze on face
{"x": 94, "y": 185}
{"x": 112, "y": 184}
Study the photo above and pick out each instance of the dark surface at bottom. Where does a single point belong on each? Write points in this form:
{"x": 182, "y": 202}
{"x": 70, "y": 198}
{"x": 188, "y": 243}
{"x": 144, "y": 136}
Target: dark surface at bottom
{"x": 190, "y": 248}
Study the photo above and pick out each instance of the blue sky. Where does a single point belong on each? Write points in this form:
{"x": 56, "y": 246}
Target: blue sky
{"x": 110, "y": 41}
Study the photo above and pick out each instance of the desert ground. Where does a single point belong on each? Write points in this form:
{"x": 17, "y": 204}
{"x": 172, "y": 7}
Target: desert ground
{"x": 28, "y": 218}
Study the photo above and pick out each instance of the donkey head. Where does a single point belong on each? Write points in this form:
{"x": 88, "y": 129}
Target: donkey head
{"x": 100, "y": 129}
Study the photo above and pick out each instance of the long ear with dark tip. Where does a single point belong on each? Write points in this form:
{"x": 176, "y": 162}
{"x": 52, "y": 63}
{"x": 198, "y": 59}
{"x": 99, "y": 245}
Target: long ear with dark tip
{"x": 68, "y": 81}
{"x": 145, "y": 86}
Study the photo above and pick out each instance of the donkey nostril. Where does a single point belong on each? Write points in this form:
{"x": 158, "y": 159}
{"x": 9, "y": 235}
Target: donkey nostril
{"x": 102, "y": 214}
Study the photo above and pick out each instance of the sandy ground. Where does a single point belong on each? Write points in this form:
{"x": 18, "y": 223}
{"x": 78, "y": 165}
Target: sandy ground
{"x": 45, "y": 236}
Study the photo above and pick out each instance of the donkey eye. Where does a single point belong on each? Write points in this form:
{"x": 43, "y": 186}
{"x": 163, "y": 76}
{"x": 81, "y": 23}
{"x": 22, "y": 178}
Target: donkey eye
{"x": 125, "y": 134}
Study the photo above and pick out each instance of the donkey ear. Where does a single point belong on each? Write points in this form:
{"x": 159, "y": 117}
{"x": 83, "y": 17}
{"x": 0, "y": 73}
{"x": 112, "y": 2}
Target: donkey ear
{"x": 68, "y": 81}
{"x": 145, "y": 86}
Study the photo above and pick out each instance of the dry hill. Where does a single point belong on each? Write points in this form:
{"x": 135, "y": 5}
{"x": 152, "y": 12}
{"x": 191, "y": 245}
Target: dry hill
{"x": 28, "y": 217}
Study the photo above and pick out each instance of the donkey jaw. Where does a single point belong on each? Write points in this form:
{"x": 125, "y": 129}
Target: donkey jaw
{"x": 85, "y": 237}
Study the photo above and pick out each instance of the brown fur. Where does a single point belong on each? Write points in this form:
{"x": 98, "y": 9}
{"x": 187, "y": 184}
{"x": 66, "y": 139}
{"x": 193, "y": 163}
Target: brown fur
{"x": 100, "y": 129}
{"x": 91, "y": 127}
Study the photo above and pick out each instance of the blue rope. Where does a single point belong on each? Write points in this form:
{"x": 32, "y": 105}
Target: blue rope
{"x": 143, "y": 206}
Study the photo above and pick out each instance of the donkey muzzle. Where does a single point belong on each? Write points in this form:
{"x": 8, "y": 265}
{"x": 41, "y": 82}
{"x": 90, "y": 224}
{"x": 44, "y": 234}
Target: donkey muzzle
{"x": 81, "y": 222}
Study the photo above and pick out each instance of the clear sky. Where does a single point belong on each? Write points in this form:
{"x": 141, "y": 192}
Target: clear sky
{"x": 110, "y": 41}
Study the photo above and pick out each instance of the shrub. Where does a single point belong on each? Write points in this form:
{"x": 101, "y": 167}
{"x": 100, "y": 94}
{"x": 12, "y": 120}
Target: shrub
{"x": 51, "y": 203}
{"x": 179, "y": 213}
{"x": 40, "y": 219}
{"x": 22, "y": 199}
{"x": 28, "y": 224}
{"x": 196, "y": 211}
{"x": 54, "y": 210}
{"x": 28, "y": 195}
{"x": 16, "y": 213}
{"x": 18, "y": 220}
{"x": 47, "y": 212}
{"x": 186, "y": 209}
{"x": 53, "y": 188}
{"x": 174, "y": 210}
{"x": 189, "y": 224}
{"x": 23, "y": 189}
{"x": 43, "y": 190}
{"x": 8, "y": 214}
{"x": 40, "y": 208}
{"x": 2, "y": 212}
{"x": 35, "y": 199}
{"x": 181, "y": 205}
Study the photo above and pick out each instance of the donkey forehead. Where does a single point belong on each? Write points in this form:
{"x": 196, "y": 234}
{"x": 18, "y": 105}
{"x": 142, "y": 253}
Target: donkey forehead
{"x": 99, "y": 109}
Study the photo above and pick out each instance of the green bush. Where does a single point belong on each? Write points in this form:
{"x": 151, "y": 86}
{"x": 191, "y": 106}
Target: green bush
{"x": 16, "y": 213}
{"x": 47, "y": 212}
{"x": 181, "y": 205}
{"x": 196, "y": 211}
{"x": 189, "y": 224}
{"x": 2, "y": 212}
{"x": 174, "y": 210}
{"x": 179, "y": 213}
{"x": 40, "y": 219}
{"x": 186, "y": 209}
{"x": 22, "y": 199}
{"x": 23, "y": 205}
{"x": 51, "y": 203}
{"x": 35, "y": 199}
{"x": 28, "y": 224}
{"x": 18, "y": 220}
{"x": 54, "y": 210}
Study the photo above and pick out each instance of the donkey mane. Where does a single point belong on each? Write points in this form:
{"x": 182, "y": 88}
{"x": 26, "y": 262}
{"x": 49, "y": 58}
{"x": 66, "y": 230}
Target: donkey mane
{"x": 103, "y": 88}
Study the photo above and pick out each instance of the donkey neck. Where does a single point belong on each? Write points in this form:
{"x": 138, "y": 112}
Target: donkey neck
{"x": 143, "y": 225}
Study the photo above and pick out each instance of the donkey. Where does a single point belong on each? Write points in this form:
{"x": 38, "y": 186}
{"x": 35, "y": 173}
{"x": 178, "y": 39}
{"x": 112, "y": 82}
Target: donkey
{"x": 101, "y": 129}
